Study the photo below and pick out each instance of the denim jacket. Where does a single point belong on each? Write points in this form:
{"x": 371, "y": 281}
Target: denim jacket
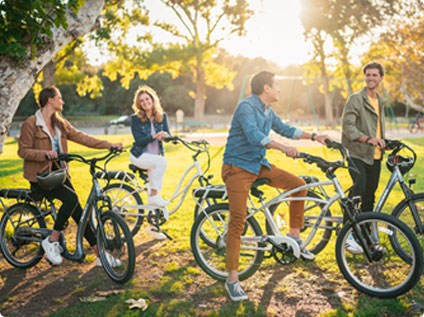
{"x": 248, "y": 135}
{"x": 142, "y": 134}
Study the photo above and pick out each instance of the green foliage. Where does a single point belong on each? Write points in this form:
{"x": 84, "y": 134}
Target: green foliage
{"x": 25, "y": 23}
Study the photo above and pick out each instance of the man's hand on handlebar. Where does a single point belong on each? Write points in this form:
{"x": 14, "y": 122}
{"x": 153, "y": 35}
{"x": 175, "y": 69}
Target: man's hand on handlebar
{"x": 119, "y": 146}
{"x": 290, "y": 151}
{"x": 377, "y": 142}
{"x": 322, "y": 139}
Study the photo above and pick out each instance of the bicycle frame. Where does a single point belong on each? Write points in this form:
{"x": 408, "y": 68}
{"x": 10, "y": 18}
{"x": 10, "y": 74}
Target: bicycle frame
{"x": 177, "y": 192}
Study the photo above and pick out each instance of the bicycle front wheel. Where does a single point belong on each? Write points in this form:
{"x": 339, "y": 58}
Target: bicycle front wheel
{"x": 125, "y": 201}
{"x": 19, "y": 243}
{"x": 116, "y": 247}
{"x": 213, "y": 224}
{"x": 386, "y": 274}
{"x": 404, "y": 212}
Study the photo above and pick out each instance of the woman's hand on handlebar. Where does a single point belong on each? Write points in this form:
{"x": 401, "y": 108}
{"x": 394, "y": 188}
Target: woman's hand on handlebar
{"x": 51, "y": 155}
{"x": 161, "y": 135}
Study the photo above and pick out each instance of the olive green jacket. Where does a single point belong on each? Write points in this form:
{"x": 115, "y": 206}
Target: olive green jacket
{"x": 359, "y": 119}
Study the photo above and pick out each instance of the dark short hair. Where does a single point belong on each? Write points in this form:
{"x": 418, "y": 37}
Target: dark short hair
{"x": 45, "y": 94}
{"x": 260, "y": 80}
{"x": 374, "y": 65}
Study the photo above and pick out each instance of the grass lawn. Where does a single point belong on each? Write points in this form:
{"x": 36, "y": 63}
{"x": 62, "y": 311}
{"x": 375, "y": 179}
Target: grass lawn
{"x": 167, "y": 275}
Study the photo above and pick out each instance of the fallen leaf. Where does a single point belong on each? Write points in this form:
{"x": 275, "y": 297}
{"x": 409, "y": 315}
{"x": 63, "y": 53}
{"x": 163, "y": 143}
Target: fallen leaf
{"x": 139, "y": 303}
{"x": 92, "y": 299}
{"x": 111, "y": 292}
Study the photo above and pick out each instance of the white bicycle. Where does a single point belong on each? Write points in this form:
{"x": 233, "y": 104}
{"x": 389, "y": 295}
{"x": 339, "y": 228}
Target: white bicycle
{"x": 128, "y": 195}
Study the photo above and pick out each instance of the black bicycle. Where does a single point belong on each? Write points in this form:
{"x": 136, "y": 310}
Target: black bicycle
{"x": 23, "y": 226}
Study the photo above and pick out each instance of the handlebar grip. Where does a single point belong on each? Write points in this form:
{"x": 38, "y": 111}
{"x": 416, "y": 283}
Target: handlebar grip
{"x": 171, "y": 138}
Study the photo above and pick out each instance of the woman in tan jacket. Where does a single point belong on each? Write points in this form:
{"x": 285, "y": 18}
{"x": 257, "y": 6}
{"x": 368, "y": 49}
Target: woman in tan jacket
{"x": 43, "y": 136}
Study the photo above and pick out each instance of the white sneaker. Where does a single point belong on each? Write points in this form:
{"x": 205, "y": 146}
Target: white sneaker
{"x": 52, "y": 250}
{"x": 152, "y": 231}
{"x": 114, "y": 262}
{"x": 352, "y": 246}
{"x": 158, "y": 201}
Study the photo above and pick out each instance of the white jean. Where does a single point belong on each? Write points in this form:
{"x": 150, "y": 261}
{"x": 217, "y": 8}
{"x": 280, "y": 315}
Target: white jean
{"x": 155, "y": 166}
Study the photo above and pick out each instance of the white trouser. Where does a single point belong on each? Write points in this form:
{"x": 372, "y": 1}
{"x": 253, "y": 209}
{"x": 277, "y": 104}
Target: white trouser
{"x": 156, "y": 166}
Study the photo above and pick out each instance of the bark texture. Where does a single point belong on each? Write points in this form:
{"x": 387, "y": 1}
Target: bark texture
{"x": 17, "y": 78}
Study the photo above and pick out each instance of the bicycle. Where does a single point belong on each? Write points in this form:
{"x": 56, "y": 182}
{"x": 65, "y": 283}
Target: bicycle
{"x": 126, "y": 194}
{"x": 379, "y": 271}
{"x": 23, "y": 227}
{"x": 415, "y": 125}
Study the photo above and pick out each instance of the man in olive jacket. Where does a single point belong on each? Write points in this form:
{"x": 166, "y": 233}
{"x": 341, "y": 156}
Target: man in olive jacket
{"x": 363, "y": 134}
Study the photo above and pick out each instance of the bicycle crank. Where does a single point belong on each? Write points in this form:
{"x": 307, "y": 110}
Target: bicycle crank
{"x": 284, "y": 249}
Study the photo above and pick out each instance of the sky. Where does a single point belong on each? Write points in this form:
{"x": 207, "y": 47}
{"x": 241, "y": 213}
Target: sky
{"x": 274, "y": 32}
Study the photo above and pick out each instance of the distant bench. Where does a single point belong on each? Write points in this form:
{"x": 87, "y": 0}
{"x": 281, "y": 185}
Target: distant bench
{"x": 194, "y": 124}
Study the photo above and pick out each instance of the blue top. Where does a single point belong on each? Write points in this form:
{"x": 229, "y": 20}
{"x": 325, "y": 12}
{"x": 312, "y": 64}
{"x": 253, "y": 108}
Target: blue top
{"x": 142, "y": 134}
{"x": 248, "y": 135}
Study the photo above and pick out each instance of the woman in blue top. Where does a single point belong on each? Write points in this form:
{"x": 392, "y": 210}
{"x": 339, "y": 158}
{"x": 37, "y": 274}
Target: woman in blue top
{"x": 149, "y": 126}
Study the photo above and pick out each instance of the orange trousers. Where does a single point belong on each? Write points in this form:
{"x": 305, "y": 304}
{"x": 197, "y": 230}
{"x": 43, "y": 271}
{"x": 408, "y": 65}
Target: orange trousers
{"x": 238, "y": 182}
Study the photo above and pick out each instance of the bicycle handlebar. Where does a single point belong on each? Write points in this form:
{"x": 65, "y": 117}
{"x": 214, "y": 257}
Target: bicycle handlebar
{"x": 67, "y": 157}
{"x": 193, "y": 145}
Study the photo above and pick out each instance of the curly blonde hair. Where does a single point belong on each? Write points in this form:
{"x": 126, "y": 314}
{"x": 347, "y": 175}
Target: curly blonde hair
{"x": 157, "y": 109}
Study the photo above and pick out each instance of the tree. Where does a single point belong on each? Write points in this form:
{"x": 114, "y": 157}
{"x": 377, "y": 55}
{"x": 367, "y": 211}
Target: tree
{"x": 401, "y": 49}
{"x": 203, "y": 25}
{"x": 26, "y": 45}
{"x": 343, "y": 22}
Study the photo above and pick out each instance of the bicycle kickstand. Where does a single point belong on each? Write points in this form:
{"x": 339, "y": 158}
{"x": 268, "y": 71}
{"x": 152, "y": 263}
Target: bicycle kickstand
{"x": 159, "y": 229}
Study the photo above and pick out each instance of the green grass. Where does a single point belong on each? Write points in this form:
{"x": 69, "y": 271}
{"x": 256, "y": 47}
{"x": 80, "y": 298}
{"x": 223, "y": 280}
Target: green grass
{"x": 178, "y": 279}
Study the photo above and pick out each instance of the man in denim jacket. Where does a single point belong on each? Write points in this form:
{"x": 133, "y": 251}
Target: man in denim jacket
{"x": 245, "y": 162}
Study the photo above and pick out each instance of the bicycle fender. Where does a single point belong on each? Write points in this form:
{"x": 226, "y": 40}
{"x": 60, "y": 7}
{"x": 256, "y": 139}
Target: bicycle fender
{"x": 278, "y": 240}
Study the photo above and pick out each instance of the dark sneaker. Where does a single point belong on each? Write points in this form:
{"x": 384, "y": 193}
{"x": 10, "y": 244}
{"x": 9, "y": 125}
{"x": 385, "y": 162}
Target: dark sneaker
{"x": 305, "y": 254}
{"x": 235, "y": 291}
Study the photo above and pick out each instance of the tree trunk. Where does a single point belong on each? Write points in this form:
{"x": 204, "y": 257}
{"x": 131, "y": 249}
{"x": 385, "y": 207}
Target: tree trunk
{"x": 16, "y": 79}
{"x": 48, "y": 74}
{"x": 199, "y": 101}
{"x": 408, "y": 100}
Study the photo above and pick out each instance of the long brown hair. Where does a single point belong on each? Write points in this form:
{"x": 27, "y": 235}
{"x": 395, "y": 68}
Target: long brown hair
{"x": 43, "y": 99}
{"x": 157, "y": 109}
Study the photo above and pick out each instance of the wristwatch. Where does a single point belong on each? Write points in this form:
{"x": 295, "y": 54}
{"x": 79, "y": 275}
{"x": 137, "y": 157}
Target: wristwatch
{"x": 313, "y": 135}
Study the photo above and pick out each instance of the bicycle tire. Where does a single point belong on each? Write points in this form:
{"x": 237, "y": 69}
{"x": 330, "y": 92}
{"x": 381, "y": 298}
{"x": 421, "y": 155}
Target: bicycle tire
{"x": 388, "y": 275}
{"x": 27, "y": 253}
{"x": 324, "y": 232}
{"x": 211, "y": 259}
{"x": 404, "y": 214}
{"x": 120, "y": 246}
{"x": 126, "y": 196}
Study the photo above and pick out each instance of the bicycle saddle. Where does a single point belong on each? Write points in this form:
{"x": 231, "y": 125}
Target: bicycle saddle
{"x": 141, "y": 171}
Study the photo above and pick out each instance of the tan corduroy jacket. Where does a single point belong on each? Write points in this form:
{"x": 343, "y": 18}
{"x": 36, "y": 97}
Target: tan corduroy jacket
{"x": 35, "y": 140}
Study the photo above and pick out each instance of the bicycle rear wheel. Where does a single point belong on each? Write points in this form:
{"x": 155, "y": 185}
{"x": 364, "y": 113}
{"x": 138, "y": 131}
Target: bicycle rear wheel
{"x": 118, "y": 244}
{"x": 213, "y": 223}
{"x": 19, "y": 244}
{"x": 311, "y": 212}
{"x": 404, "y": 213}
{"x": 125, "y": 200}
{"x": 386, "y": 274}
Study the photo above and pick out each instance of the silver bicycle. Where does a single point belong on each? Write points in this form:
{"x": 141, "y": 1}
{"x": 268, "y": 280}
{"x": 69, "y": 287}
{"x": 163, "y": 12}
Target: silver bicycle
{"x": 379, "y": 271}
